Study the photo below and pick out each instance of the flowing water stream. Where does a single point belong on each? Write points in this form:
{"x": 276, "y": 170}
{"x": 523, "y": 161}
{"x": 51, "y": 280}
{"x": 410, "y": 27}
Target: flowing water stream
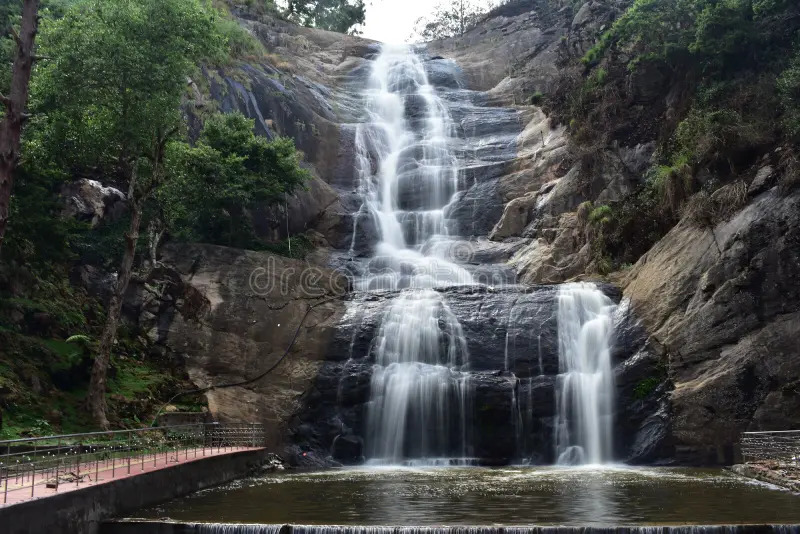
{"x": 585, "y": 386}
{"x": 408, "y": 176}
{"x": 420, "y": 396}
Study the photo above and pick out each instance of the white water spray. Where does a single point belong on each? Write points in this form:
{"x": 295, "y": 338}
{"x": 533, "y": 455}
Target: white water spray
{"x": 408, "y": 176}
{"x": 585, "y": 386}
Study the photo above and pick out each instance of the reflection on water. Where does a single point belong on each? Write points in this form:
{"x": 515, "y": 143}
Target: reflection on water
{"x": 477, "y": 496}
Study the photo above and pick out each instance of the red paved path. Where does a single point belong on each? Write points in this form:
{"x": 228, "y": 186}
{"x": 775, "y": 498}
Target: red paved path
{"x": 100, "y": 472}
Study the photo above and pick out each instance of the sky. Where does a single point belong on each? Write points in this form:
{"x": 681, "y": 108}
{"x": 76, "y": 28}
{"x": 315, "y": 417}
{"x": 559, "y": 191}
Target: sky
{"x": 392, "y": 21}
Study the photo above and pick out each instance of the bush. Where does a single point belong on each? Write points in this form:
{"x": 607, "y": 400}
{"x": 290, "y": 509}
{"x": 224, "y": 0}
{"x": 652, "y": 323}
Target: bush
{"x": 789, "y": 94}
{"x": 705, "y": 136}
{"x": 240, "y": 42}
{"x": 672, "y": 185}
{"x": 646, "y": 387}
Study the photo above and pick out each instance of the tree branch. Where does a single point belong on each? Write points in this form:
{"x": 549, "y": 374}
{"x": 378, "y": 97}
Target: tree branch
{"x": 5, "y": 100}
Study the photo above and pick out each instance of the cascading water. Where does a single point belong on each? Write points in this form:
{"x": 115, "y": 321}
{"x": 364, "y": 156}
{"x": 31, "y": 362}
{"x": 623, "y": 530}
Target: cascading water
{"x": 408, "y": 176}
{"x": 585, "y": 384}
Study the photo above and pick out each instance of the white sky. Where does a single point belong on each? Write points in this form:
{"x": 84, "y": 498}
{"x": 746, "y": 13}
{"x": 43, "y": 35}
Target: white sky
{"x": 392, "y": 21}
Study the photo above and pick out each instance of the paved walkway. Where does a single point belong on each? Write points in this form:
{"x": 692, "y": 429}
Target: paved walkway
{"x": 21, "y": 489}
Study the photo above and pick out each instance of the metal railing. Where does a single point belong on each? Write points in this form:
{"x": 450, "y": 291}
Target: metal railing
{"x": 29, "y": 465}
{"x": 780, "y": 446}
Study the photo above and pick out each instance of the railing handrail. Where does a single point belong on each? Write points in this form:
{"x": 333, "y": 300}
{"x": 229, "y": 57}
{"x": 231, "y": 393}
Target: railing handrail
{"x": 120, "y": 432}
{"x": 781, "y": 446}
{"x": 45, "y": 462}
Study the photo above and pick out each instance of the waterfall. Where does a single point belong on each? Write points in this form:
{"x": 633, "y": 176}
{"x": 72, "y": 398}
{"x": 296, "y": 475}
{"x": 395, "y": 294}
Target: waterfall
{"x": 585, "y": 384}
{"x": 407, "y": 177}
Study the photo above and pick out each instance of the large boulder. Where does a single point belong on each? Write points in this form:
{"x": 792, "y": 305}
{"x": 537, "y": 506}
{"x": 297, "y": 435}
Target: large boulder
{"x": 92, "y": 202}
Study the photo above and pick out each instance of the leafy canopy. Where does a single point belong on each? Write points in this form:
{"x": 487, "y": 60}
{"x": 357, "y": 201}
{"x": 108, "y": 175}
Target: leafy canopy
{"x": 116, "y": 77}
{"x": 333, "y": 15}
{"x": 229, "y": 171}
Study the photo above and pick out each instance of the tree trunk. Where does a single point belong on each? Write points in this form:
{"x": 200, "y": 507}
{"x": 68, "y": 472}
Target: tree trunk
{"x": 97, "y": 385}
{"x": 15, "y": 103}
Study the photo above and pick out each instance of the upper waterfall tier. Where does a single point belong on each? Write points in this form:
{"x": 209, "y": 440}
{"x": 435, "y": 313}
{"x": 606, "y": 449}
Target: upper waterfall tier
{"x": 408, "y": 174}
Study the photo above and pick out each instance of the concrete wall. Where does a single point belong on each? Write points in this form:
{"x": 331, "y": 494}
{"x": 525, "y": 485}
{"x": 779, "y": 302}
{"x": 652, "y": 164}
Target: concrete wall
{"x": 82, "y": 511}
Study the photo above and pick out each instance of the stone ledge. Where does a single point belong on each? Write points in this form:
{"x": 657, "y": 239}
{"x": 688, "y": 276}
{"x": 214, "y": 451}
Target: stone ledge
{"x": 785, "y": 477}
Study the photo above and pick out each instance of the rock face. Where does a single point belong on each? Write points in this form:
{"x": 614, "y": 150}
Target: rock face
{"x": 92, "y": 202}
{"x": 230, "y": 315}
{"x": 306, "y": 88}
{"x": 723, "y": 301}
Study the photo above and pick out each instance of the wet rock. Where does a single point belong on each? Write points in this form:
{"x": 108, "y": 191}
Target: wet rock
{"x": 492, "y": 417}
{"x": 443, "y": 73}
{"x": 348, "y": 449}
{"x": 764, "y": 179}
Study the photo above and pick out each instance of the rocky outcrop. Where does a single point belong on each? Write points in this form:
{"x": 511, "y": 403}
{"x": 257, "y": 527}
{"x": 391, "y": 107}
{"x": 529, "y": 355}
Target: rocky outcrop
{"x": 92, "y": 202}
{"x": 305, "y": 88}
{"x": 230, "y": 315}
{"x": 718, "y": 304}
{"x": 723, "y": 301}
{"x": 704, "y": 346}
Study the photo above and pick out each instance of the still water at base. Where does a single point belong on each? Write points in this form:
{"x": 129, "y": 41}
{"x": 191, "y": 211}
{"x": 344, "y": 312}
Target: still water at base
{"x": 583, "y": 496}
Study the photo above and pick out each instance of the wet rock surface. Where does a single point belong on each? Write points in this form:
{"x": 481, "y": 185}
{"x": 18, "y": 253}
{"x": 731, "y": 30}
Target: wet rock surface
{"x": 512, "y": 370}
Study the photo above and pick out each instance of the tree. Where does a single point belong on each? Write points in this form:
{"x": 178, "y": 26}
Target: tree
{"x": 228, "y": 171}
{"x": 450, "y": 18}
{"x": 332, "y": 15}
{"x": 112, "y": 96}
{"x": 15, "y": 104}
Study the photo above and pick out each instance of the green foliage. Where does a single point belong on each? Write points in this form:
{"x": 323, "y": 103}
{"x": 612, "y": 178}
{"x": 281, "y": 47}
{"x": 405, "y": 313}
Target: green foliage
{"x": 239, "y": 43}
{"x": 228, "y": 172}
{"x": 537, "y": 98}
{"x": 117, "y": 77}
{"x": 716, "y": 134}
{"x": 601, "y": 215}
{"x": 789, "y": 93}
{"x": 646, "y": 387}
{"x": 333, "y": 15}
{"x": 448, "y": 19}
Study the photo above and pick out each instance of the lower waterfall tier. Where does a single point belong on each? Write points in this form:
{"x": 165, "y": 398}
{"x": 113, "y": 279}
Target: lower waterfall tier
{"x": 495, "y": 396}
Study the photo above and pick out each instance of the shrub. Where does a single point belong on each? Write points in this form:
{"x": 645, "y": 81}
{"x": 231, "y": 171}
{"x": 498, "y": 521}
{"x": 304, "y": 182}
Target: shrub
{"x": 708, "y": 209}
{"x": 789, "y": 94}
{"x": 672, "y": 185}
{"x": 646, "y": 387}
{"x": 240, "y": 43}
